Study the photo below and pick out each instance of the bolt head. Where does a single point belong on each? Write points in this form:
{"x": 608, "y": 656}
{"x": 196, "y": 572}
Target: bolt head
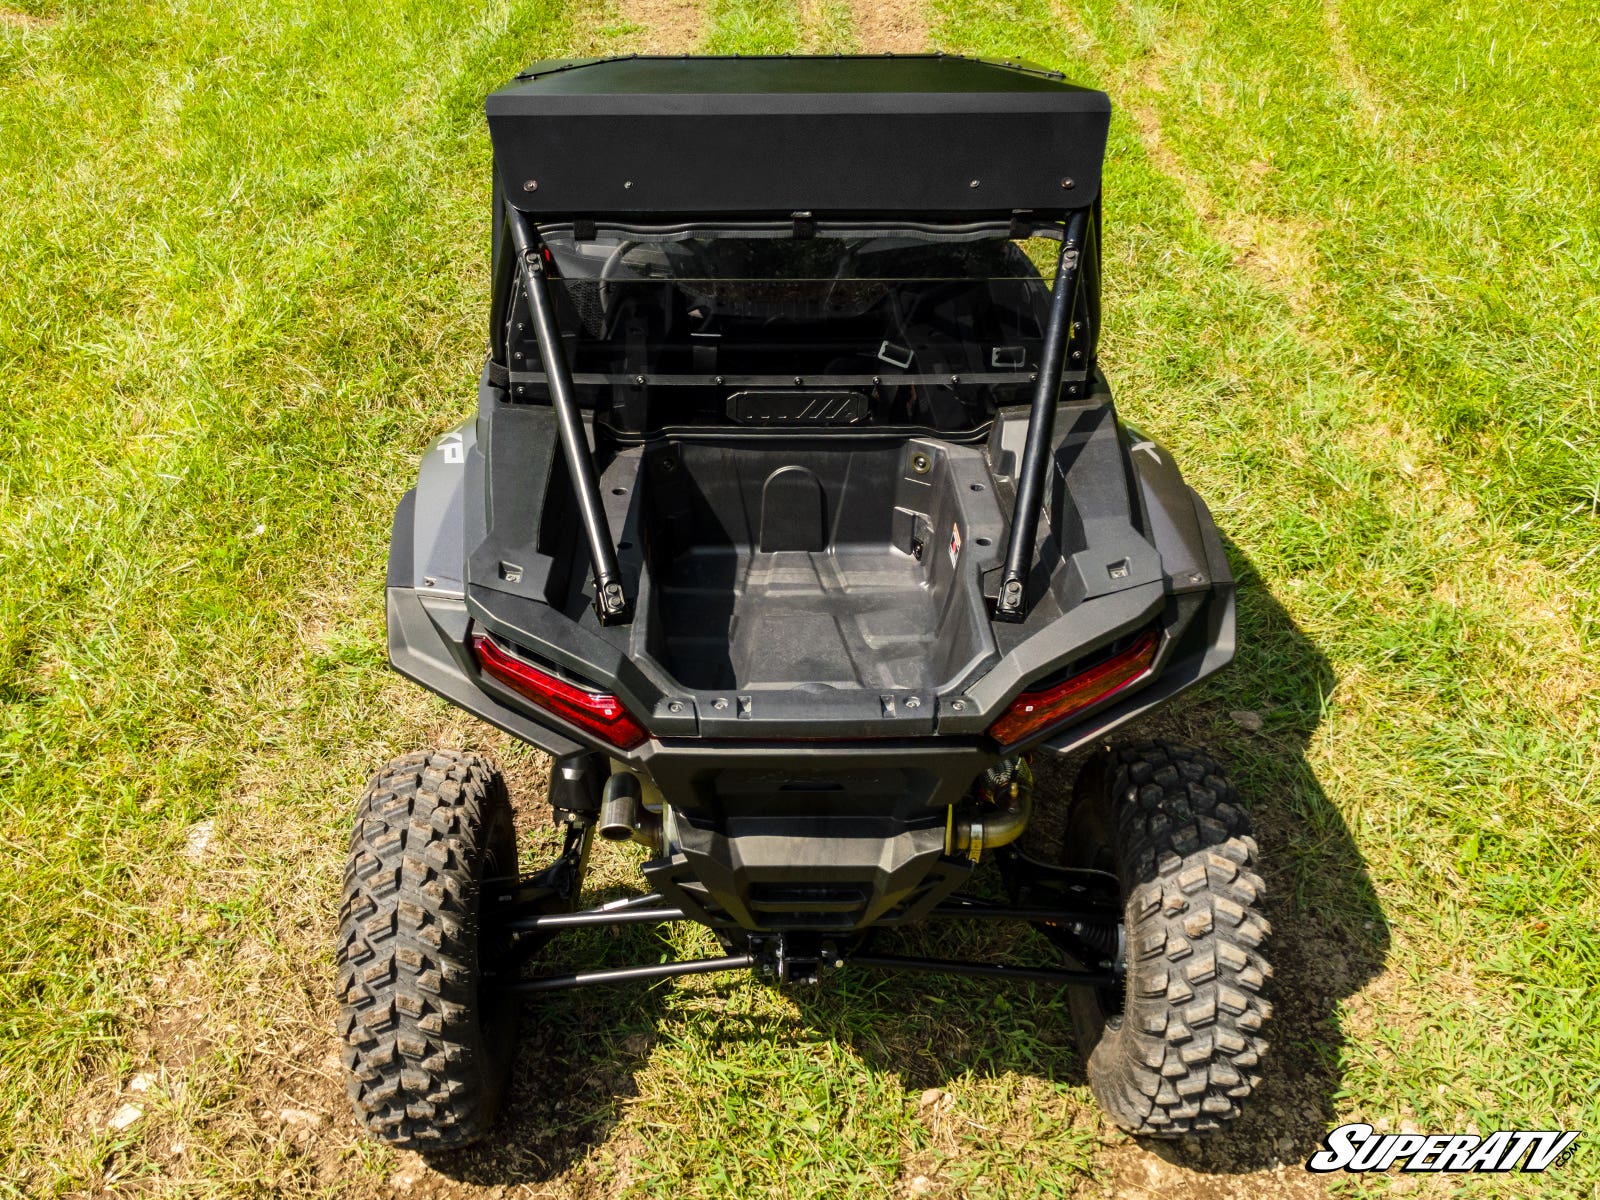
{"x": 1068, "y": 184}
{"x": 913, "y": 702}
{"x": 675, "y": 706}
{"x": 719, "y": 704}
{"x": 531, "y": 185}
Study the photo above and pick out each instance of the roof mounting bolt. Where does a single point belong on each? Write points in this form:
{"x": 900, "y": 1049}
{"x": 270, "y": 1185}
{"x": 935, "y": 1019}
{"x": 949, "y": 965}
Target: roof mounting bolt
{"x": 973, "y": 184}
{"x": 627, "y": 183}
{"x": 429, "y": 581}
{"x": 955, "y": 379}
{"x": 675, "y": 706}
{"x": 717, "y": 379}
{"x": 720, "y": 704}
{"x": 913, "y": 702}
{"x": 531, "y": 185}
{"x": 921, "y": 463}
{"x": 638, "y": 380}
{"x": 1068, "y": 183}
{"x": 798, "y": 381}
{"x": 958, "y": 706}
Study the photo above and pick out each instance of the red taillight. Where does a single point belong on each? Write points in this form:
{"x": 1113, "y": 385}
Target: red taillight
{"x": 600, "y": 714}
{"x": 1033, "y": 711}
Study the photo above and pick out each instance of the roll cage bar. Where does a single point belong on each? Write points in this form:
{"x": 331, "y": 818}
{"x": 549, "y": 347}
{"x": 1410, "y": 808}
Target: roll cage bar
{"x": 1078, "y": 234}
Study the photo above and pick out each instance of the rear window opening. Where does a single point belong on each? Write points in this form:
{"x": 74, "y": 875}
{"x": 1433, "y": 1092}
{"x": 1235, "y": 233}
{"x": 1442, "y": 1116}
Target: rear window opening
{"x": 756, "y": 330}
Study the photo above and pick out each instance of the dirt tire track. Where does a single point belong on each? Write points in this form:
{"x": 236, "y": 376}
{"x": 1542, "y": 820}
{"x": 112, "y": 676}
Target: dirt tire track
{"x": 670, "y": 26}
{"x": 890, "y": 26}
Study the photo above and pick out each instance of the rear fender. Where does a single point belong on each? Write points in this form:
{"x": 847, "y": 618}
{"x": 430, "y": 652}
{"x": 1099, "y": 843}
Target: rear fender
{"x": 1172, "y": 514}
{"x": 428, "y": 548}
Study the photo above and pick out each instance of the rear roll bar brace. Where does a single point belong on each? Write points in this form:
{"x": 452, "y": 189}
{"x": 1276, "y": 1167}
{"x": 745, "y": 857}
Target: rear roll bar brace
{"x": 1012, "y": 604}
{"x": 611, "y": 603}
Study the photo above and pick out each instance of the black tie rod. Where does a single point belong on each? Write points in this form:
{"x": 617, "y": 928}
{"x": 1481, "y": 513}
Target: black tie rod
{"x": 667, "y": 970}
{"x": 610, "y": 604}
{"x": 1013, "y": 603}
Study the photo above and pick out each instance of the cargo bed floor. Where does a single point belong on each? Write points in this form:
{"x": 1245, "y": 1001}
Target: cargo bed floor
{"x": 845, "y": 619}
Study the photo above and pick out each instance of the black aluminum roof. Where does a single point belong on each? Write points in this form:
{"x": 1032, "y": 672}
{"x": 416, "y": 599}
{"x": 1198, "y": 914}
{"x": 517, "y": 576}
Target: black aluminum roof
{"x": 924, "y": 134}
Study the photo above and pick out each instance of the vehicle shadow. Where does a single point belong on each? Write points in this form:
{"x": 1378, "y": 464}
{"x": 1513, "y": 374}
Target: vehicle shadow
{"x": 1329, "y": 937}
{"x": 576, "y": 1059}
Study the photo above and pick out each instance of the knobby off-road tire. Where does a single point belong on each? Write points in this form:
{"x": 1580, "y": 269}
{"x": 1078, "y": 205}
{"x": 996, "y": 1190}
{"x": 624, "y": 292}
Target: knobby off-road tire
{"x": 427, "y": 1049}
{"x": 1178, "y": 1051}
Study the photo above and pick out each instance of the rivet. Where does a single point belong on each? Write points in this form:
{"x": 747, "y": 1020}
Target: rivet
{"x": 627, "y": 183}
{"x": 1068, "y": 184}
{"x": 531, "y": 186}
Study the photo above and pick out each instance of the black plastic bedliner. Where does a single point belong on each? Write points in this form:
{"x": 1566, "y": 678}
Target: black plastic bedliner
{"x": 788, "y": 567}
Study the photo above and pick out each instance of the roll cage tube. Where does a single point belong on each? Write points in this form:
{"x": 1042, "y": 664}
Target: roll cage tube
{"x": 610, "y": 604}
{"x": 1012, "y": 604}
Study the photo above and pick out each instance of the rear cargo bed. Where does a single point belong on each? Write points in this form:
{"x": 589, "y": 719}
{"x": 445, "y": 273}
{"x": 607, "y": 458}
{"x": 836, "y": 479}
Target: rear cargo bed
{"x": 806, "y": 565}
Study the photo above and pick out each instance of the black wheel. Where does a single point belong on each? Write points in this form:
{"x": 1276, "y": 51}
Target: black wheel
{"x": 1177, "y": 1049}
{"x": 427, "y": 1047}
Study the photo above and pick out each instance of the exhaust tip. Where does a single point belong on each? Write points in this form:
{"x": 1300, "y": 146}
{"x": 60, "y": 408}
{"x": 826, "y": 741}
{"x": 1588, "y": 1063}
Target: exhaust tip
{"x": 620, "y": 809}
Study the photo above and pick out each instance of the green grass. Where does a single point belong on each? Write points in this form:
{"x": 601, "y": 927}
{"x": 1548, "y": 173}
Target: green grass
{"x": 1353, "y": 255}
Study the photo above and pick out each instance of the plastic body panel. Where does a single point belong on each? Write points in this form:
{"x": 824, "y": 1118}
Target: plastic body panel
{"x": 1096, "y": 477}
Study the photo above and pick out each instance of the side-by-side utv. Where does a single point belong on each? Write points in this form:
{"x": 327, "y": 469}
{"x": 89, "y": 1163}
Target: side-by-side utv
{"x": 794, "y": 520}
